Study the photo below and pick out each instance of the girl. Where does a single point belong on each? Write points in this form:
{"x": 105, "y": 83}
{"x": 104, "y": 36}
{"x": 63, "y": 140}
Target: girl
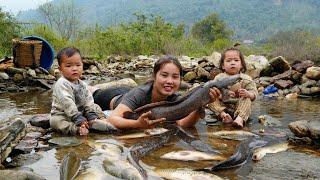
{"x": 165, "y": 83}
{"x": 235, "y": 105}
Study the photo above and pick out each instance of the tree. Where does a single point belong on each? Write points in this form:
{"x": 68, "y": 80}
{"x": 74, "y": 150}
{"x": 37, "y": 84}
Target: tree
{"x": 210, "y": 29}
{"x": 63, "y": 17}
{"x": 9, "y": 29}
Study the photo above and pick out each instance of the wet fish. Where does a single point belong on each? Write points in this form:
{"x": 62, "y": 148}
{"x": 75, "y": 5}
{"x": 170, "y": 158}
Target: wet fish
{"x": 244, "y": 150}
{"x": 121, "y": 169}
{"x": 192, "y": 156}
{"x": 114, "y": 160}
{"x": 194, "y": 142}
{"x": 185, "y": 174}
{"x": 193, "y": 100}
{"x": 70, "y": 166}
{"x": 90, "y": 173}
{"x": 141, "y": 149}
{"x": 259, "y": 153}
{"x": 145, "y": 133}
{"x": 65, "y": 141}
{"x": 234, "y": 135}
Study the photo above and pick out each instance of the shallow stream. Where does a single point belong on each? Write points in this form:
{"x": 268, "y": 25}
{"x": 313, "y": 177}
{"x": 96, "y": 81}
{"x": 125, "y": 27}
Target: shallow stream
{"x": 282, "y": 112}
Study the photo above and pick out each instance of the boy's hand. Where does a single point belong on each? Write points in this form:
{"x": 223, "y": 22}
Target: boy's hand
{"x": 83, "y": 130}
{"x": 85, "y": 124}
{"x": 144, "y": 122}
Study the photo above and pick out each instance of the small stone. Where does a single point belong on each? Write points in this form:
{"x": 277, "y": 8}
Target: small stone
{"x": 261, "y": 130}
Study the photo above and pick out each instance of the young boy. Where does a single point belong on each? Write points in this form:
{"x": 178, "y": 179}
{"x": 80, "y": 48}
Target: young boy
{"x": 73, "y": 109}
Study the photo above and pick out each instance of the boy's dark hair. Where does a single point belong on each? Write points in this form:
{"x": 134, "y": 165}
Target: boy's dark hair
{"x": 223, "y": 56}
{"x": 68, "y": 51}
{"x": 164, "y": 60}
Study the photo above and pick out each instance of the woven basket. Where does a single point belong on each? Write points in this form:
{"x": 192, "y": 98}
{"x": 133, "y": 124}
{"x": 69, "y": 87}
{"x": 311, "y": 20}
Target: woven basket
{"x": 26, "y": 53}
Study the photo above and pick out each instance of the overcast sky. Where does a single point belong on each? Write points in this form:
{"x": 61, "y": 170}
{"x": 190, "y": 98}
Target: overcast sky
{"x": 14, "y": 6}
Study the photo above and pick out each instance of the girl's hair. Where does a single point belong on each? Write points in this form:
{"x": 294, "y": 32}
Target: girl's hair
{"x": 223, "y": 56}
{"x": 165, "y": 60}
{"x": 68, "y": 51}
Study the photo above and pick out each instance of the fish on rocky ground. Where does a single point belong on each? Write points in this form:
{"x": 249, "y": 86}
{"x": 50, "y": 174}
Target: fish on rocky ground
{"x": 186, "y": 174}
{"x": 259, "y": 153}
{"x": 70, "y": 166}
{"x": 65, "y": 141}
{"x": 145, "y": 133}
{"x": 19, "y": 175}
{"x": 233, "y": 135}
{"x": 186, "y": 155}
{"x": 193, "y": 100}
{"x": 243, "y": 152}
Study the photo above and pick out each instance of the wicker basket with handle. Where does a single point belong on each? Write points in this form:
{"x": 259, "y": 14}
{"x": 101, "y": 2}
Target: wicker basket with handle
{"x": 26, "y": 53}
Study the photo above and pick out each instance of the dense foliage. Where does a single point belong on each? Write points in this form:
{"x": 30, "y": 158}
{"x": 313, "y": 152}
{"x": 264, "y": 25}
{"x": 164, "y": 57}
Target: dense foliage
{"x": 194, "y": 35}
{"x": 248, "y": 19}
{"x": 9, "y": 29}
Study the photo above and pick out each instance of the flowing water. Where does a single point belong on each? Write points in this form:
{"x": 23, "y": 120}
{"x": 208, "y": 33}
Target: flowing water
{"x": 282, "y": 112}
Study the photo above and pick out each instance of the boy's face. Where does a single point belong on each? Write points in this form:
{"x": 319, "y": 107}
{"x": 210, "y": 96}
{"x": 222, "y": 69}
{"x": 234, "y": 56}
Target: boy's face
{"x": 71, "y": 67}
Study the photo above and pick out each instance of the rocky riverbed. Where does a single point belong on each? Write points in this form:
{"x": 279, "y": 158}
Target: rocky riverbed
{"x": 27, "y": 94}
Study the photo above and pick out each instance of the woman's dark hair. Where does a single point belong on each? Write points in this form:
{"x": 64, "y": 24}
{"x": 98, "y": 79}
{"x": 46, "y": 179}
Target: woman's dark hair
{"x": 165, "y": 60}
{"x": 223, "y": 56}
{"x": 68, "y": 51}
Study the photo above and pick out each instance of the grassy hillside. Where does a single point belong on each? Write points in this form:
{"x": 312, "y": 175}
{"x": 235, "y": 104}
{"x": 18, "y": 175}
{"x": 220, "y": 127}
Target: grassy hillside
{"x": 249, "y": 19}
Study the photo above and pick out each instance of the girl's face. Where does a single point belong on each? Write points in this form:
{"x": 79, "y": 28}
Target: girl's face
{"x": 167, "y": 80}
{"x": 232, "y": 63}
{"x": 71, "y": 67}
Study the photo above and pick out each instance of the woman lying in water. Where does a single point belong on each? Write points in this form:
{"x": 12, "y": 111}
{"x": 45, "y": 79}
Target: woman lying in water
{"x": 165, "y": 83}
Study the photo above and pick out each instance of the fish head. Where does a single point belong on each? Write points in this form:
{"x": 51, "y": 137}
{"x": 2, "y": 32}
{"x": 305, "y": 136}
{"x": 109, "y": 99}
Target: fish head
{"x": 257, "y": 155}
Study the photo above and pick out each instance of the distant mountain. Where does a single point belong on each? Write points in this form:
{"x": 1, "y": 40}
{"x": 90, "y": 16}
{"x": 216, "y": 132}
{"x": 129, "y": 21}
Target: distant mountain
{"x": 250, "y": 19}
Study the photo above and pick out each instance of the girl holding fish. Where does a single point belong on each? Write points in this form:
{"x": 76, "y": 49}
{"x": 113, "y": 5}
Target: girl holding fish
{"x": 165, "y": 83}
{"x": 234, "y": 105}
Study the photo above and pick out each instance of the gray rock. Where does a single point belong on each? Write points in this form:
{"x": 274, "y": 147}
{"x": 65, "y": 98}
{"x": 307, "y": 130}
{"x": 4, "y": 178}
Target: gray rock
{"x": 23, "y": 160}
{"x": 10, "y": 133}
{"x": 280, "y": 64}
{"x": 313, "y": 73}
{"x": 190, "y": 76}
{"x": 306, "y": 128}
{"x": 41, "y": 120}
{"x": 4, "y": 75}
{"x": 19, "y": 175}
{"x": 65, "y": 141}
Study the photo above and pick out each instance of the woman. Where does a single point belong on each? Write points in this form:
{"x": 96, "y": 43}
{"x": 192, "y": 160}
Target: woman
{"x": 165, "y": 83}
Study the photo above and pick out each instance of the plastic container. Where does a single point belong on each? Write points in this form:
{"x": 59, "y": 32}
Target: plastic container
{"x": 47, "y": 53}
{"x": 270, "y": 89}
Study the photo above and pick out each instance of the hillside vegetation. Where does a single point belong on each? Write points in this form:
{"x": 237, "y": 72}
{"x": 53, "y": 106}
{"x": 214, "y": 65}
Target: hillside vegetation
{"x": 249, "y": 19}
{"x": 194, "y": 28}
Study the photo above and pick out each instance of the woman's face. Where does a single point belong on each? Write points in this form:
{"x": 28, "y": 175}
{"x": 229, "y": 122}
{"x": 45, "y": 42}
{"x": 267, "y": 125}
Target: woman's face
{"x": 167, "y": 80}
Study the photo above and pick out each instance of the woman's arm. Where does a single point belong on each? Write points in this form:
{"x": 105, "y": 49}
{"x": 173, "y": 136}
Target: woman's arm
{"x": 189, "y": 120}
{"x": 116, "y": 118}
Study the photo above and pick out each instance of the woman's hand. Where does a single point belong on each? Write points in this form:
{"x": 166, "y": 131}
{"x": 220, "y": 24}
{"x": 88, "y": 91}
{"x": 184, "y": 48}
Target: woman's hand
{"x": 215, "y": 94}
{"x": 144, "y": 122}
